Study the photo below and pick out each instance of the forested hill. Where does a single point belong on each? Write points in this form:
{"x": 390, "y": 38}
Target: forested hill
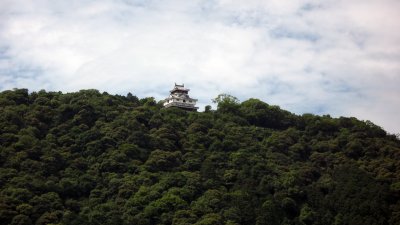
{"x": 95, "y": 158}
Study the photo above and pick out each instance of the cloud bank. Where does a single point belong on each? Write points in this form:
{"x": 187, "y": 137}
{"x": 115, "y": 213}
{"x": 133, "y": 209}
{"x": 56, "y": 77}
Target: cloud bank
{"x": 337, "y": 57}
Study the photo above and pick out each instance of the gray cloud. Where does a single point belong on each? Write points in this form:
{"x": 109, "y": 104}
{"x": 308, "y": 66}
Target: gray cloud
{"x": 336, "y": 57}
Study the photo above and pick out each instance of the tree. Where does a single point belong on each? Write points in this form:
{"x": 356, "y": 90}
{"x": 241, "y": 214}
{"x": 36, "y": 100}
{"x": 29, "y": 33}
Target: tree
{"x": 94, "y": 158}
{"x": 226, "y": 103}
{"x": 163, "y": 160}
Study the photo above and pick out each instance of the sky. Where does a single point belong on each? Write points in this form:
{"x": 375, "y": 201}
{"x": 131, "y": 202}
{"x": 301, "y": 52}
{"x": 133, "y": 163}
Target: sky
{"x": 334, "y": 57}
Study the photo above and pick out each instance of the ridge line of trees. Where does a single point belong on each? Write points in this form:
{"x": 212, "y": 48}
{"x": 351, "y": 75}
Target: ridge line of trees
{"x": 94, "y": 158}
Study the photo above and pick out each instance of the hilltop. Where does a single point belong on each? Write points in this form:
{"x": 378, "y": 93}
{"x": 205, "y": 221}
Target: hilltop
{"x": 94, "y": 158}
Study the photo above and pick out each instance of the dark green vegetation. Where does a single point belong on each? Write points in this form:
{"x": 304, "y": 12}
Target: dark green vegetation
{"x": 95, "y": 158}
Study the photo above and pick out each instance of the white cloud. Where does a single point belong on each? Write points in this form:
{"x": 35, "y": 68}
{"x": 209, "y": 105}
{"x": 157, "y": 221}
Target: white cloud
{"x": 338, "y": 57}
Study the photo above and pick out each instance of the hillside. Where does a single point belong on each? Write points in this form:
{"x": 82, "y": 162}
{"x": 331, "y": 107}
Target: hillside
{"x": 95, "y": 158}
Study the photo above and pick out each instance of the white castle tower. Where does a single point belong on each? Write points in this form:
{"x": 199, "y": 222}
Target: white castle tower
{"x": 179, "y": 97}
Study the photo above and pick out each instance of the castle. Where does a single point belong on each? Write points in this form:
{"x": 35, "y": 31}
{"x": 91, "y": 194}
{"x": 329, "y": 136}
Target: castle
{"x": 179, "y": 97}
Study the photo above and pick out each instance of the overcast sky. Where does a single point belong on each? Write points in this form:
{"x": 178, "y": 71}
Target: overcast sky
{"x": 336, "y": 57}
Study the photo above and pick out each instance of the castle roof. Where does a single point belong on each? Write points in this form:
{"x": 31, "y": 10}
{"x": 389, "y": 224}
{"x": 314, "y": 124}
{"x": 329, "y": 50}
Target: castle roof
{"x": 179, "y": 88}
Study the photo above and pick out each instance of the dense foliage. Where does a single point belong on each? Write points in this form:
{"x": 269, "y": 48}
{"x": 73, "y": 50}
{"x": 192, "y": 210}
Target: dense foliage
{"x": 95, "y": 158}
